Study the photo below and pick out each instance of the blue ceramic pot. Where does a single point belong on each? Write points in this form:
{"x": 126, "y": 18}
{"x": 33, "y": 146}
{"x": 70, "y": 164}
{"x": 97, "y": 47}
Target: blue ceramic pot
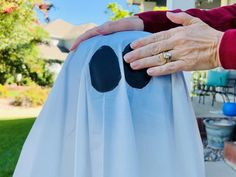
{"x": 229, "y": 109}
{"x": 218, "y": 132}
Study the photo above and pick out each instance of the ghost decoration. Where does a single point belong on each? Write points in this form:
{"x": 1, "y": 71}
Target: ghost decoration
{"x": 103, "y": 119}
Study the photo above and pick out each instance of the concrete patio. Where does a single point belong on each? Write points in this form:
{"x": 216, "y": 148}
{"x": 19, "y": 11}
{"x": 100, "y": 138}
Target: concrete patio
{"x": 207, "y": 110}
{"x": 220, "y": 168}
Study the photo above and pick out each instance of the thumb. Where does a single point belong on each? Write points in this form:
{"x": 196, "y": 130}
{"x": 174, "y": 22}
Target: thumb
{"x": 181, "y": 18}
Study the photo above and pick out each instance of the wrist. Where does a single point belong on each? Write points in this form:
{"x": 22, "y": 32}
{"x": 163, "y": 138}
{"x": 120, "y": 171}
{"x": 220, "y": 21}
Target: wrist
{"x": 139, "y": 23}
{"x": 218, "y": 49}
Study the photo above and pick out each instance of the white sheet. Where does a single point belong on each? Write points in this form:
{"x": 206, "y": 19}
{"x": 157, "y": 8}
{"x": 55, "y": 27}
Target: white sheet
{"x": 126, "y": 132}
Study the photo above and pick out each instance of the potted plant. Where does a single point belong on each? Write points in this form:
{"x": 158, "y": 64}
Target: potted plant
{"x": 221, "y": 129}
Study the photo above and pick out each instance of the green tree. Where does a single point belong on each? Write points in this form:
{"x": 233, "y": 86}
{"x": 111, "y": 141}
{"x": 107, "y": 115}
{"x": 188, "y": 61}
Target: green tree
{"x": 19, "y": 35}
{"x": 116, "y": 12}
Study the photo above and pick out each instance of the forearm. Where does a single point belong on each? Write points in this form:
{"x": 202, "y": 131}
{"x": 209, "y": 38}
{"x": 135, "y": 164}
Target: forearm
{"x": 222, "y": 18}
{"x": 227, "y": 50}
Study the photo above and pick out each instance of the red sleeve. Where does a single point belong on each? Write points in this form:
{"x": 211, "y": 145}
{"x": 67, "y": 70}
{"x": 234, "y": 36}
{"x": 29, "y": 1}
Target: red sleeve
{"x": 227, "y": 50}
{"x": 222, "y": 18}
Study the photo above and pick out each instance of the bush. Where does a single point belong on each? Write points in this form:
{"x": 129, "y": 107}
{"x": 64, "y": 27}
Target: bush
{"x": 19, "y": 35}
{"x": 198, "y": 79}
{"x": 3, "y": 91}
{"x": 33, "y": 96}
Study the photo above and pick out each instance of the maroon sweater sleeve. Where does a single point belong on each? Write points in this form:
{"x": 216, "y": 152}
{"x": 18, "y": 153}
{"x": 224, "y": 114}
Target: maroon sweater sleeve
{"x": 222, "y": 19}
{"x": 227, "y": 49}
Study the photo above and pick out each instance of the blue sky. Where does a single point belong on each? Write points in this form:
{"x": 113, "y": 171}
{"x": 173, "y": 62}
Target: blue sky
{"x": 82, "y": 11}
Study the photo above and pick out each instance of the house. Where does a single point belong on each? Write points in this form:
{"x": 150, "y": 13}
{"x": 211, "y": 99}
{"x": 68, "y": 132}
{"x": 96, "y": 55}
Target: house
{"x": 147, "y": 5}
{"x": 62, "y": 36}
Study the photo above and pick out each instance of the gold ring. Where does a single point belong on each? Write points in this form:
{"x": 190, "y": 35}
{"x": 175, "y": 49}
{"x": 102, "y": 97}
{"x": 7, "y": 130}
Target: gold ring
{"x": 167, "y": 56}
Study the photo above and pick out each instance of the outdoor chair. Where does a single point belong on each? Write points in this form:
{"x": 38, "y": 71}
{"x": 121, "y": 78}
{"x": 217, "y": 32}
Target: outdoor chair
{"x": 217, "y": 83}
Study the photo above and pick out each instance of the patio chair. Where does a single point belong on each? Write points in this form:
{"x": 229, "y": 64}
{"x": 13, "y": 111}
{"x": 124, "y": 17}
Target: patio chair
{"x": 232, "y": 84}
{"x": 217, "y": 82}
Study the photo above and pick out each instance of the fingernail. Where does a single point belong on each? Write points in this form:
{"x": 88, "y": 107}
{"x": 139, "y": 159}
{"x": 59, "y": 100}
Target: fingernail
{"x": 133, "y": 45}
{"x": 134, "y": 65}
{"x": 127, "y": 57}
{"x": 150, "y": 71}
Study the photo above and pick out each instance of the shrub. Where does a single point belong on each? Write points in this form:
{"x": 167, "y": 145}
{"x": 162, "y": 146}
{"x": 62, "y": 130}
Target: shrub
{"x": 198, "y": 79}
{"x": 3, "y": 91}
{"x": 31, "y": 97}
{"x": 20, "y": 33}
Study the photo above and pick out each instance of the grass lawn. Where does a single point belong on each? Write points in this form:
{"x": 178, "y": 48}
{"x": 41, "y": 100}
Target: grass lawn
{"x": 12, "y": 136}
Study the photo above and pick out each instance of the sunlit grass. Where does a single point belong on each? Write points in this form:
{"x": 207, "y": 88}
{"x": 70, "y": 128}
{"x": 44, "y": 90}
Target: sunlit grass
{"x": 12, "y": 136}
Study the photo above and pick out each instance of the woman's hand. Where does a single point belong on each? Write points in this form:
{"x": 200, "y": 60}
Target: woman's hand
{"x": 125, "y": 24}
{"x": 193, "y": 46}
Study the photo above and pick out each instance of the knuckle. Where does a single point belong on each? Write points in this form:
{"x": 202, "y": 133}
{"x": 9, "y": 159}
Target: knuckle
{"x": 159, "y": 60}
{"x": 185, "y": 67}
{"x": 89, "y": 31}
{"x": 154, "y": 49}
{"x": 155, "y": 37}
{"x": 172, "y": 67}
{"x": 180, "y": 28}
{"x": 127, "y": 23}
{"x": 164, "y": 43}
{"x": 143, "y": 63}
{"x": 150, "y": 62}
{"x": 182, "y": 35}
{"x": 137, "y": 54}
{"x": 139, "y": 42}
{"x": 195, "y": 20}
{"x": 166, "y": 34}
{"x": 181, "y": 67}
{"x": 180, "y": 38}
{"x": 108, "y": 24}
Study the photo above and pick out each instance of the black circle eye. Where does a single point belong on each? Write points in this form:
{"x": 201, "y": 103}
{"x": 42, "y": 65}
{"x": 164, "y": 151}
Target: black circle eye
{"x": 135, "y": 78}
{"x": 104, "y": 69}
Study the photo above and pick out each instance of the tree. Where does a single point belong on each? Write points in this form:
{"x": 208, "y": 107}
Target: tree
{"x": 19, "y": 35}
{"x": 116, "y": 12}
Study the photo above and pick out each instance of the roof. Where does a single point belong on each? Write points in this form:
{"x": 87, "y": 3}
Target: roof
{"x": 61, "y": 29}
{"x": 78, "y": 30}
{"x": 58, "y": 28}
{"x": 50, "y": 52}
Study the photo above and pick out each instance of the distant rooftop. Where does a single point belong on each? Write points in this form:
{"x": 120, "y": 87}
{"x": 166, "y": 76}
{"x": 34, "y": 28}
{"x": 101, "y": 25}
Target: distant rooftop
{"x": 63, "y": 30}
{"x": 65, "y": 33}
{"x": 50, "y": 52}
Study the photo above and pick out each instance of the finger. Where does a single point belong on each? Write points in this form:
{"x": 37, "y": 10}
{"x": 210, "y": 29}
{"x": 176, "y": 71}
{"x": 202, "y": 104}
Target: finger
{"x": 106, "y": 28}
{"x": 164, "y": 35}
{"x": 88, "y": 34}
{"x": 153, "y": 61}
{"x": 147, "y": 62}
{"x": 168, "y": 68}
{"x": 129, "y": 23}
{"x": 149, "y": 50}
{"x": 182, "y": 18}
{"x": 150, "y": 39}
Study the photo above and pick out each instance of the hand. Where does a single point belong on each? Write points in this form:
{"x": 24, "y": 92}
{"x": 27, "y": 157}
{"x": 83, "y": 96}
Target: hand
{"x": 125, "y": 24}
{"x": 193, "y": 46}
